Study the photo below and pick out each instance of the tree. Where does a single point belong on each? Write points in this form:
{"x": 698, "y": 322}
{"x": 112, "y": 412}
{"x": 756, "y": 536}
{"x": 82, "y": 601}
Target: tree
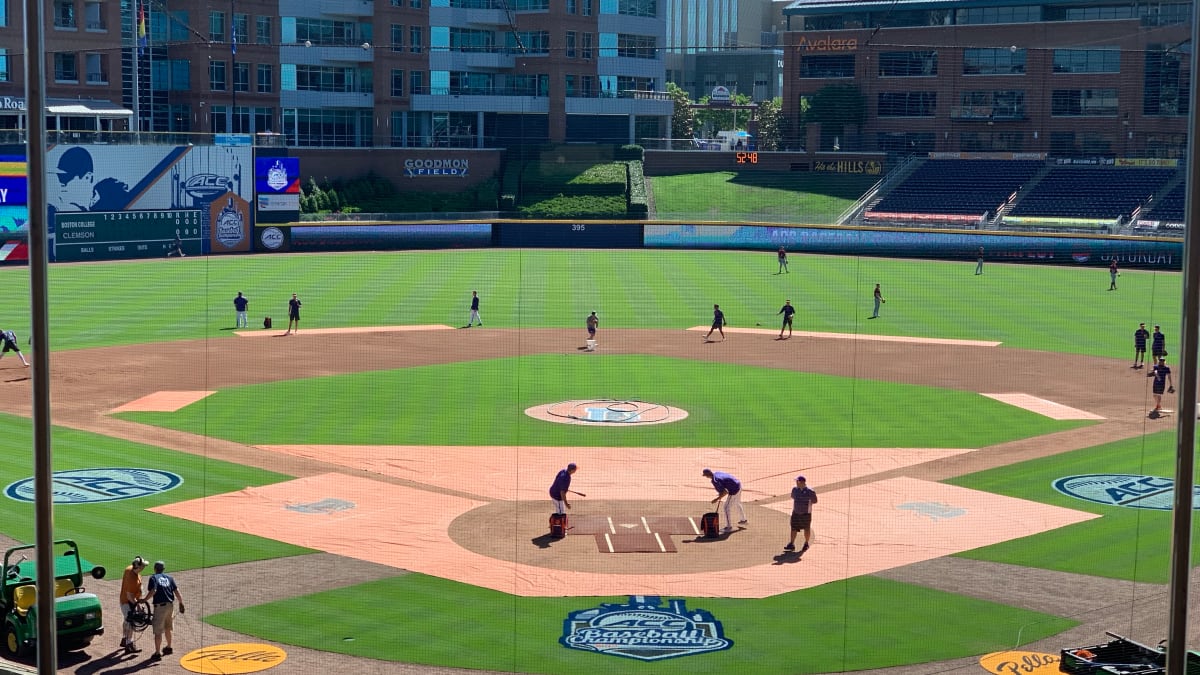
{"x": 720, "y": 118}
{"x": 683, "y": 119}
{"x": 836, "y": 107}
{"x": 772, "y": 125}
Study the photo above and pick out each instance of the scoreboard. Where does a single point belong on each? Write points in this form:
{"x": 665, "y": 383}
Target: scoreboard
{"x": 118, "y": 235}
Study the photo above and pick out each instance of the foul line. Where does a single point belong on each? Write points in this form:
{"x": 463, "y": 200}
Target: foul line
{"x": 860, "y": 336}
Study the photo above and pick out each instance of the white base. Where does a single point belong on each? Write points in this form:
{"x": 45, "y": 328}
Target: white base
{"x": 591, "y": 345}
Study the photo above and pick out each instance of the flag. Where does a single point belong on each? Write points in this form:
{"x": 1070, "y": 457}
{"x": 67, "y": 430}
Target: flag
{"x": 233, "y": 44}
{"x": 141, "y": 29}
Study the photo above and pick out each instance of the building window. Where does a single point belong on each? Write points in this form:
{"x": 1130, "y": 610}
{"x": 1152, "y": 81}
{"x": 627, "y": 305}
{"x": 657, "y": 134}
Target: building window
{"x": 472, "y": 40}
{"x": 4, "y": 14}
{"x": 264, "y": 119}
{"x": 571, "y": 53}
{"x": 989, "y": 61}
{"x": 646, "y": 8}
{"x": 180, "y": 74}
{"x": 908, "y": 64}
{"x": 262, "y": 30}
{"x": 586, "y": 5}
{"x": 177, "y": 27}
{"x": 216, "y": 76}
{"x": 528, "y": 42}
{"x": 1165, "y": 88}
{"x": 398, "y": 83}
{"x": 1083, "y": 103}
{"x": 531, "y": 5}
{"x": 93, "y": 18}
{"x": 415, "y": 39}
{"x": 991, "y": 105}
{"x": 64, "y": 14}
{"x": 820, "y": 66}
{"x": 241, "y": 76}
{"x": 586, "y": 49}
{"x": 1087, "y": 61}
{"x": 241, "y": 27}
{"x": 570, "y": 86}
{"x": 414, "y": 4}
{"x": 572, "y": 6}
{"x": 397, "y": 37}
{"x": 216, "y": 26}
{"x": 95, "y": 69}
{"x": 588, "y": 85}
{"x": 987, "y": 15}
{"x": 416, "y": 82}
{"x": 65, "y": 67}
{"x": 636, "y": 46}
{"x": 907, "y": 103}
{"x": 4, "y": 74}
{"x": 265, "y": 79}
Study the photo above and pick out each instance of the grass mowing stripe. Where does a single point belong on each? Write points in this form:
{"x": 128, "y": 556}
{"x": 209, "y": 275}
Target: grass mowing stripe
{"x": 740, "y": 404}
{"x": 445, "y": 623}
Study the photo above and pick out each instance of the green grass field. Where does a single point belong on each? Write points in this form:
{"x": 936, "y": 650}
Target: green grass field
{"x": 770, "y": 196}
{"x": 828, "y": 628}
{"x": 852, "y": 625}
{"x": 1060, "y": 309}
{"x": 357, "y": 408}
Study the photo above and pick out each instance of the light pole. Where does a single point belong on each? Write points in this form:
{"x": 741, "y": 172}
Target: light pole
{"x": 233, "y": 66}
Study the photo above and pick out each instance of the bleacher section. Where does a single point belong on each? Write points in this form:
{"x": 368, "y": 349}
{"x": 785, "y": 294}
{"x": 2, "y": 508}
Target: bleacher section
{"x": 1100, "y": 195}
{"x": 1166, "y": 214}
{"x": 957, "y": 191}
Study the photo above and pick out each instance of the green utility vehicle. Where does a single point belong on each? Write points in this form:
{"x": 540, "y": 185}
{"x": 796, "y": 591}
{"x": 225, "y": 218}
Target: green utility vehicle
{"x": 79, "y": 618}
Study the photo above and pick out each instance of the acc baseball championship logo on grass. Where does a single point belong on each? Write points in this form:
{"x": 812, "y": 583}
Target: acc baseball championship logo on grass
{"x": 81, "y": 486}
{"x": 1121, "y": 489}
{"x": 645, "y": 630}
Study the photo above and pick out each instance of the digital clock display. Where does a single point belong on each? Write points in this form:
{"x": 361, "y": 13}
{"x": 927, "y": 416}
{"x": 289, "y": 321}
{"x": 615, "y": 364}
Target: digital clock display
{"x": 747, "y": 158}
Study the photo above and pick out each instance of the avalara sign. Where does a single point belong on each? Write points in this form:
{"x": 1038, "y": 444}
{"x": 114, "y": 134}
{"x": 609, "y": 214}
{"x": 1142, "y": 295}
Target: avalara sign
{"x": 826, "y": 44}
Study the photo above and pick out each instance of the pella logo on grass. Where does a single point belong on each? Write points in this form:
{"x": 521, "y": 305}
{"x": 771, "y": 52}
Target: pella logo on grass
{"x": 643, "y": 629}
{"x": 91, "y": 486}
{"x": 1121, "y": 489}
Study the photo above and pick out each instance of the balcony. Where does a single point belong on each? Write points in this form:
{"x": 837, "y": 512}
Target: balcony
{"x": 321, "y": 8}
{"x": 326, "y": 99}
{"x": 468, "y": 18}
{"x": 493, "y": 59}
{"x": 485, "y": 99}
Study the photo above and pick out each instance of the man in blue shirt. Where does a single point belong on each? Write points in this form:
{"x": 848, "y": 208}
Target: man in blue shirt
{"x": 787, "y": 313}
{"x": 803, "y": 497}
{"x": 1158, "y": 348}
{"x": 731, "y": 488}
{"x": 162, "y": 591}
{"x": 559, "y": 489}
{"x": 239, "y": 305}
{"x": 718, "y": 323}
{"x": 1162, "y": 378}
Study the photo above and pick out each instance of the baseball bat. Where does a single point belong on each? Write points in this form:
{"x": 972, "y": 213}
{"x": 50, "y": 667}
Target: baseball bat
{"x": 576, "y": 493}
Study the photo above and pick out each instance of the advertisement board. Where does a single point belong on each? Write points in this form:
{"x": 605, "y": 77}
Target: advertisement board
{"x": 113, "y": 179}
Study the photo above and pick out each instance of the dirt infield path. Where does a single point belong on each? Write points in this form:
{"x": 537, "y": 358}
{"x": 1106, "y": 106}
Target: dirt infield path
{"x": 86, "y": 384}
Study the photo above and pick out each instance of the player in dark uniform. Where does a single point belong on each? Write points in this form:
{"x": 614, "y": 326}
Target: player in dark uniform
{"x": 293, "y": 314}
{"x": 10, "y": 345}
{"x": 1113, "y": 273}
{"x": 1162, "y": 381}
{"x": 717, "y": 324}
{"x": 560, "y": 487}
{"x": 782, "y": 261}
{"x": 1158, "y": 348}
{"x": 1139, "y": 346}
{"x": 787, "y": 311}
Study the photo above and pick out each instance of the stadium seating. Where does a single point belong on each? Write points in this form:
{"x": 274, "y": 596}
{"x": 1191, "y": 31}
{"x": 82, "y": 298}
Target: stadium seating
{"x": 964, "y": 187}
{"x": 1169, "y": 208}
{"x": 1092, "y": 192}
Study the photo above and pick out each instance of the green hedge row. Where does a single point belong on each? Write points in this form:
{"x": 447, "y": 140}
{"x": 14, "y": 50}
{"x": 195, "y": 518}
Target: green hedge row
{"x": 638, "y": 205}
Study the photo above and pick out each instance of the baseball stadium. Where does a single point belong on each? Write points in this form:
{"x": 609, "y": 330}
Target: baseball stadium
{"x": 561, "y": 384}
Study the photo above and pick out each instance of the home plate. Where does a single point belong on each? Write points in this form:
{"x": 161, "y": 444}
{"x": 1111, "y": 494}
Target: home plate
{"x": 1055, "y": 411}
{"x": 640, "y": 542}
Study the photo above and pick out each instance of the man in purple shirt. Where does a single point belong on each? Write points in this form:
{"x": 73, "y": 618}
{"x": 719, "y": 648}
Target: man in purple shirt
{"x": 727, "y": 486}
{"x": 803, "y": 498}
{"x": 559, "y": 490}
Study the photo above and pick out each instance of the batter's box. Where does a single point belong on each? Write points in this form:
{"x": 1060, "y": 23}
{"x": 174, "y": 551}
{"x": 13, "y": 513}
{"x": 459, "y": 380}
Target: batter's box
{"x": 635, "y": 543}
{"x": 590, "y": 525}
{"x": 674, "y": 524}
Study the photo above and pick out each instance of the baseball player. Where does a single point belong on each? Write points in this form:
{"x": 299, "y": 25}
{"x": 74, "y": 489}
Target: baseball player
{"x": 474, "y": 310}
{"x": 10, "y": 345}
{"x": 1162, "y": 380}
{"x": 731, "y": 488}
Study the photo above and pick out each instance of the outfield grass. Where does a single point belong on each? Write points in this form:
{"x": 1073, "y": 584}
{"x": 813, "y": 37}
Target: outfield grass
{"x": 1127, "y": 543}
{"x": 845, "y": 626}
{"x": 766, "y": 195}
{"x": 111, "y": 533}
{"x": 481, "y": 403}
{"x": 1061, "y": 309}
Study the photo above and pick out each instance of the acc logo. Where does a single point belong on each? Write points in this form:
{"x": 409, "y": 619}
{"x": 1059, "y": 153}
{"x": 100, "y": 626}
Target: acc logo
{"x": 233, "y": 658}
{"x": 277, "y": 177}
{"x": 91, "y": 486}
{"x": 330, "y": 505}
{"x": 231, "y": 229}
{"x": 644, "y": 630}
{"x": 1133, "y": 491}
{"x": 207, "y": 186}
{"x": 933, "y": 510}
{"x": 272, "y": 238}
{"x": 1020, "y": 663}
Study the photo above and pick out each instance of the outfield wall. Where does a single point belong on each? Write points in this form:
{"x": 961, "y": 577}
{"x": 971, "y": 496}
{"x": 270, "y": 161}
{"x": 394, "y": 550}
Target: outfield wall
{"x": 1060, "y": 249}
